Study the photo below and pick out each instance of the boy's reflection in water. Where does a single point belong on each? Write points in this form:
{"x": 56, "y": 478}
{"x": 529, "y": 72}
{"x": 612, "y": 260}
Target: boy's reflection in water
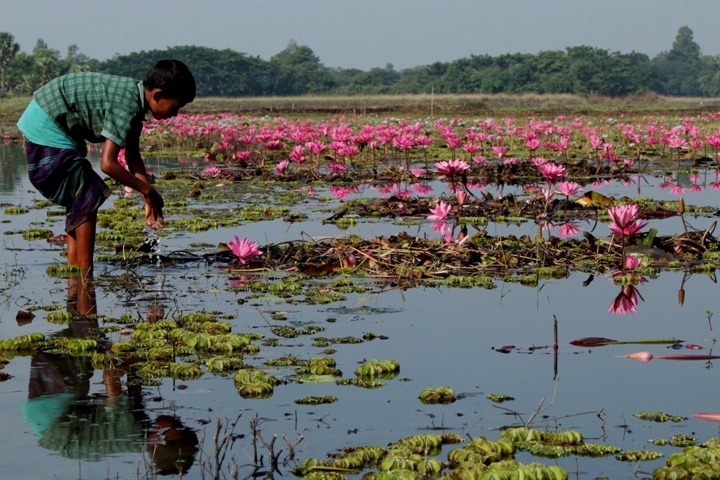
{"x": 71, "y": 419}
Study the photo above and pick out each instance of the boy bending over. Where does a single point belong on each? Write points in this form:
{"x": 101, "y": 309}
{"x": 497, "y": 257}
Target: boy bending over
{"x": 97, "y": 108}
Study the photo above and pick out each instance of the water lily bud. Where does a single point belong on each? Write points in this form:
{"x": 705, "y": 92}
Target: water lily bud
{"x": 681, "y": 297}
{"x": 681, "y": 206}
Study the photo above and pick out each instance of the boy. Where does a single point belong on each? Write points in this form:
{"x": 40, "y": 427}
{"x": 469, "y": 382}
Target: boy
{"x": 95, "y": 107}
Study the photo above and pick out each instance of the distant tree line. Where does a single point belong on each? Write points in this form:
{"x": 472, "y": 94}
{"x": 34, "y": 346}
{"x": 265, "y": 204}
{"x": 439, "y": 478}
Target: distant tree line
{"x": 296, "y": 70}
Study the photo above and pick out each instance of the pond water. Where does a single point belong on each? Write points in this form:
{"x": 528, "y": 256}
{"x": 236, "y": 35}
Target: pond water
{"x": 61, "y": 421}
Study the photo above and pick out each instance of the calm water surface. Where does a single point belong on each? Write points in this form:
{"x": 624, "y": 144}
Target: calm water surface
{"x": 60, "y": 422}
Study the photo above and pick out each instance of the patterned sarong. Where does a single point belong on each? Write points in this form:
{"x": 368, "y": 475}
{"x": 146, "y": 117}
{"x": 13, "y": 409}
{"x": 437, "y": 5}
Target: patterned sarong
{"x": 66, "y": 178}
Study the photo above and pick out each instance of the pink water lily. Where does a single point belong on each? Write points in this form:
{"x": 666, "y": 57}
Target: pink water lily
{"x": 440, "y": 211}
{"x": 632, "y": 262}
{"x": 625, "y": 221}
{"x": 452, "y": 167}
{"x": 212, "y": 172}
{"x": 282, "y": 167}
{"x": 568, "y": 229}
{"x": 244, "y": 249}
{"x": 569, "y": 188}
{"x": 625, "y": 302}
{"x": 552, "y": 171}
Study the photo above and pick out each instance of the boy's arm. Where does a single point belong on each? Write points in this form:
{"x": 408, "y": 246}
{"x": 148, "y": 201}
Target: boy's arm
{"x": 136, "y": 180}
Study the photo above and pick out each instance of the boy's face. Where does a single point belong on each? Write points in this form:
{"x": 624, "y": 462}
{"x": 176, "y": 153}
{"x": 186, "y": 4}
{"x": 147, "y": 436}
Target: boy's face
{"x": 163, "y": 107}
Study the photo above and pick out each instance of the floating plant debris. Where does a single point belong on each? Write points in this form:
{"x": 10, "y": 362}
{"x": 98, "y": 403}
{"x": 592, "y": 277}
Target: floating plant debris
{"x": 313, "y": 400}
{"x": 659, "y": 417}
{"x": 499, "y": 397}
{"x": 638, "y": 456}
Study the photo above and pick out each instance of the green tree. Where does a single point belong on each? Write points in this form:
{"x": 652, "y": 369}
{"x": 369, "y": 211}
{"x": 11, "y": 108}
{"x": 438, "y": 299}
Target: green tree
{"x": 8, "y": 50}
{"x": 684, "y": 49}
{"x": 217, "y": 72}
{"x": 47, "y": 65}
{"x": 677, "y": 70}
{"x": 76, "y": 61}
{"x": 297, "y": 71}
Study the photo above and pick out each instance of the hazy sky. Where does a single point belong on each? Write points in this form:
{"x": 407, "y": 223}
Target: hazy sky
{"x": 362, "y": 33}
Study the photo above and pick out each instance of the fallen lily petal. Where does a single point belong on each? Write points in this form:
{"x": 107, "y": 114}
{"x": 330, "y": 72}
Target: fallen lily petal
{"x": 692, "y": 346}
{"x": 640, "y": 356}
{"x": 713, "y": 417}
{"x": 592, "y": 341}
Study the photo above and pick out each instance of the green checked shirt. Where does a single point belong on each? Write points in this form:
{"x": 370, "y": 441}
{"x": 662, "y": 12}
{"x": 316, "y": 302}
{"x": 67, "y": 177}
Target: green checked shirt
{"x": 93, "y": 106}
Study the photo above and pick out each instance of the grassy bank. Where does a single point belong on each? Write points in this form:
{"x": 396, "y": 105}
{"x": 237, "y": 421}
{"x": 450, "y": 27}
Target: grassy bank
{"x": 424, "y": 105}
{"x": 442, "y": 105}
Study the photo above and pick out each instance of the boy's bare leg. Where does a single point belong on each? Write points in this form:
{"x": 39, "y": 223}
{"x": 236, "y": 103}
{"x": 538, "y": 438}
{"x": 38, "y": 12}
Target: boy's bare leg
{"x": 81, "y": 246}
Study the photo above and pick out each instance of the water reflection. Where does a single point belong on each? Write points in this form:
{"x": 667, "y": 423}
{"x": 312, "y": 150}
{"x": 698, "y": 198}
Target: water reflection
{"x": 626, "y": 301}
{"x": 12, "y": 167}
{"x": 70, "y": 420}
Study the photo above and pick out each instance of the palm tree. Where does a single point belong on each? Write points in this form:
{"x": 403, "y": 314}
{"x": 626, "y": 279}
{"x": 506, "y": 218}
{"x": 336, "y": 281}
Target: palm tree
{"x": 8, "y": 50}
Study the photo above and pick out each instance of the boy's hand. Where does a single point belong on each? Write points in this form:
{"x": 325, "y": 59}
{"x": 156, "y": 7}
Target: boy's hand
{"x": 153, "y": 210}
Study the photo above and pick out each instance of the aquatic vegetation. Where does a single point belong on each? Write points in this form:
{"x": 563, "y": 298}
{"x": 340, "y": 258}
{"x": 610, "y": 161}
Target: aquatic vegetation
{"x": 320, "y": 366}
{"x": 36, "y": 234}
{"x": 15, "y": 210}
{"x": 499, "y": 397}
{"x": 378, "y": 368}
{"x": 253, "y": 383}
{"x": 682, "y": 440}
{"x": 482, "y": 451}
{"x": 638, "y": 456}
{"x": 659, "y": 417}
{"x": 258, "y": 185}
{"x": 23, "y": 342}
{"x": 438, "y": 395}
{"x": 60, "y": 318}
{"x": 359, "y": 382}
{"x": 63, "y": 271}
{"x": 313, "y": 400}
{"x": 554, "y": 444}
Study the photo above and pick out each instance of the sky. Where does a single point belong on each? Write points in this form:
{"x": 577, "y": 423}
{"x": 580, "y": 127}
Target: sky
{"x": 361, "y": 34}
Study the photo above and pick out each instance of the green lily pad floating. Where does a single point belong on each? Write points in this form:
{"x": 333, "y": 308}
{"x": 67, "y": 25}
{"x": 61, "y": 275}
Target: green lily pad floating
{"x": 60, "y": 318}
{"x": 15, "y": 210}
{"x": 510, "y": 469}
{"x": 658, "y": 417}
{"x": 287, "y": 361}
{"x": 439, "y": 395}
{"x": 638, "y": 456}
{"x": 362, "y": 383}
{"x": 318, "y": 475}
{"x": 36, "y": 234}
{"x": 499, "y": 397}
{"x": 658, "y": 441}
{"x": 378, "y": 368}
{"x": 682, "y": 441}
{"x": 314, "y": 400}
{"x": 693, "y": 462}
{"x": 252, "y": 383}
{"x": 310, "y": 378}
{"x": 555, "y": 444}
{"x": 482, "y": 451}
{"x": 63, "y": 271}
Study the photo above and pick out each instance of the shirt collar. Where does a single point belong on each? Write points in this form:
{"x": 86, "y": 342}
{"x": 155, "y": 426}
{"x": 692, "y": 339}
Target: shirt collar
{"x": 141, "y": 88}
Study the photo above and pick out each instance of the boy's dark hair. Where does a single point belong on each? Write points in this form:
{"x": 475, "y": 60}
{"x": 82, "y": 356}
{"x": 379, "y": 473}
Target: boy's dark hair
{"x": 174, "y": 79}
